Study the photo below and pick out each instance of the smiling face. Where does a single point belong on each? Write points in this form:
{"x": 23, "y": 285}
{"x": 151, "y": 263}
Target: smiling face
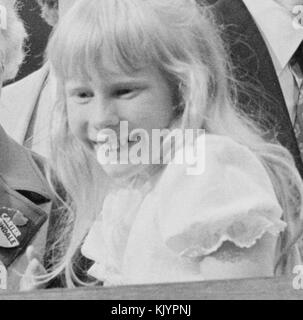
{"x": 143, "y": 99}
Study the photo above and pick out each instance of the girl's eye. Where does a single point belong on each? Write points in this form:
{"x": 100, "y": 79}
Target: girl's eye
{"x": 125, "y": 92}
{"x": 84, "y": 94}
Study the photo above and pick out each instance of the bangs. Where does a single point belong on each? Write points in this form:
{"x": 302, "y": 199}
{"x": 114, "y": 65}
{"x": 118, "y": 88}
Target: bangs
{"x": 97, "y": 31}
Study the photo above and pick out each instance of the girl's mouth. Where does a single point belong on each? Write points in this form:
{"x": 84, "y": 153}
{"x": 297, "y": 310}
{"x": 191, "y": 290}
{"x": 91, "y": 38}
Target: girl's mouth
{"x": 114, "y": 146}
{"x": 110, "y": 141}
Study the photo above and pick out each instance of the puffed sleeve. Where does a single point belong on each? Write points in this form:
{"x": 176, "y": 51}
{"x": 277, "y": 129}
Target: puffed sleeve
{"x": 232, "y": 200}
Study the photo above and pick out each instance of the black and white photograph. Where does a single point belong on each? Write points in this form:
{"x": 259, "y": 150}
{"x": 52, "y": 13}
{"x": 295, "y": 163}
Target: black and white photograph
{"x": 151, "y": 150}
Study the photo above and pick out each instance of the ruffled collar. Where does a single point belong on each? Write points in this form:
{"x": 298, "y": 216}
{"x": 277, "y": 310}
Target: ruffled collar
{"x": 143, "y": 181}
{"x": 107, "y": 239}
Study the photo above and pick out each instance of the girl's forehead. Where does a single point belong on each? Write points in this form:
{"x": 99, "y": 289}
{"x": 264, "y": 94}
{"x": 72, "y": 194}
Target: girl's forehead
{"x": 89, "y": 74}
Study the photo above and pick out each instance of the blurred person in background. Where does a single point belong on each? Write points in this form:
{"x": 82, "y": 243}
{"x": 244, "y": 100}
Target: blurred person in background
{"x": 265, "y": 43}
{"x": 25, "y": 197}
{"x": 27, "y": 103}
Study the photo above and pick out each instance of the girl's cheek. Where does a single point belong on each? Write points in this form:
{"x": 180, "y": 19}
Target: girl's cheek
{"x": 77, "y": 124}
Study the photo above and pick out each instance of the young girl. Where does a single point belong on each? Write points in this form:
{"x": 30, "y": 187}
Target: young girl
{"x": 160, "y": 64}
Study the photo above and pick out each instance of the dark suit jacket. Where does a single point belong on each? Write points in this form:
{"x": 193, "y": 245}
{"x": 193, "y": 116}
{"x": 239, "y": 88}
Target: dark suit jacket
{"x": 253, "y": 65}
{"x": 25, "y": 198}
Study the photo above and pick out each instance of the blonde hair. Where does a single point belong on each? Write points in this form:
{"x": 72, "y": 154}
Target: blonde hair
{"x": 11, "y": 41}
{"x": 49, "y": 11}
{"x": 180, "y": 38}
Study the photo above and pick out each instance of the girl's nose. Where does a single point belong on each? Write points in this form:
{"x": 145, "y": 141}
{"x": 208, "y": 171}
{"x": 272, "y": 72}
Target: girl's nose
{"x": 104, "y": 115}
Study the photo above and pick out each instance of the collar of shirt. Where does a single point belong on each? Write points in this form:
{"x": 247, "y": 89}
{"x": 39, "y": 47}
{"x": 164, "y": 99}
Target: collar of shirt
{"x": 275, "y": 23}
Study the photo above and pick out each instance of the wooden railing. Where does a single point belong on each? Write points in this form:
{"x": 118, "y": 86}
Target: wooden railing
{"x": 273, "y": 288}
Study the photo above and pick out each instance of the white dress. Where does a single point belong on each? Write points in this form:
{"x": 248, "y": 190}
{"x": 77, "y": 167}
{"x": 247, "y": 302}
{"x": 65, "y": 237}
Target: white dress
{"x": 161, "y": 231}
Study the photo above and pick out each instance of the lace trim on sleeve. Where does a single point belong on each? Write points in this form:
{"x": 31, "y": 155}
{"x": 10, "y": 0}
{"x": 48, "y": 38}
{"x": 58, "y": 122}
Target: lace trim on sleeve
{"x": 243, "y": 230}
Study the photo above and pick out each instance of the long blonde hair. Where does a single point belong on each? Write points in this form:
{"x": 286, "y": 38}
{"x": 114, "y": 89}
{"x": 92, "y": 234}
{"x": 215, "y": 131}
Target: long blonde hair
{"x": 180, "y": 38}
